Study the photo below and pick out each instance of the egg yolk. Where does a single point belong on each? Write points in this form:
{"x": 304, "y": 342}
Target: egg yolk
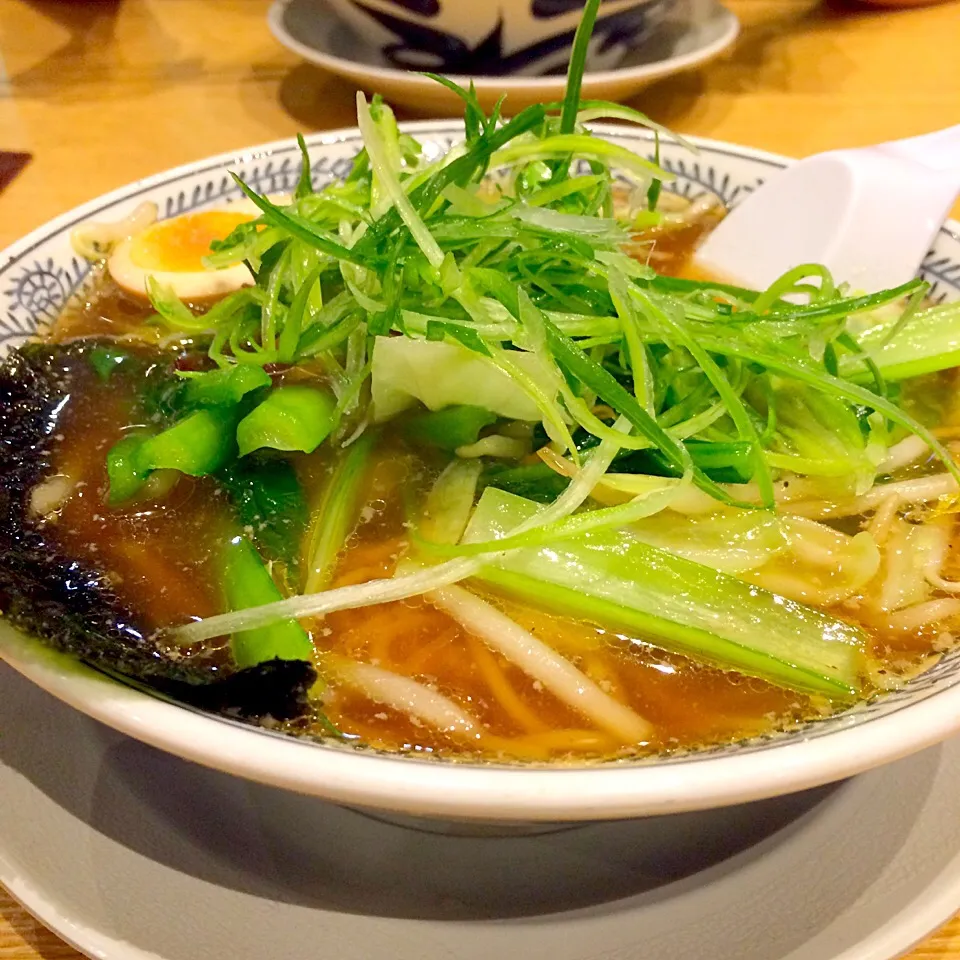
{"x": 179, "y": 245}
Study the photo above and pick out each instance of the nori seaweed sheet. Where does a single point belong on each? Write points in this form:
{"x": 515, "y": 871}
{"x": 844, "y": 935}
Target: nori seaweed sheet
{"x": 70, "y": 605}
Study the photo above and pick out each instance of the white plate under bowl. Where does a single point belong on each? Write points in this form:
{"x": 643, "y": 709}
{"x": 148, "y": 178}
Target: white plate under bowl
{"x": 691, "y": 33}
{"x": 130, "y": 854}
{"x": 36, "y": 277}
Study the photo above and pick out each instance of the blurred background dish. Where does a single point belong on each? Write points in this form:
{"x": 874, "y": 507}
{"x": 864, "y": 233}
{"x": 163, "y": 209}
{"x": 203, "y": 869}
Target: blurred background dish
{"x": 691, "y": 33}
{"x": 504, "y": 37}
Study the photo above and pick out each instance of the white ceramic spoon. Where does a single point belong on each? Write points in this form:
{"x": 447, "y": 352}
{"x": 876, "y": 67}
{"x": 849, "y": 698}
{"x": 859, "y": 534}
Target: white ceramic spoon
{"x": 870, "y": 215}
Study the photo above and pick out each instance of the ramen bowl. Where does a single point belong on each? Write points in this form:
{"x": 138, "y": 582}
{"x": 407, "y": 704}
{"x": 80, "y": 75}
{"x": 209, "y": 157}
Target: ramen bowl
{"x": 40, "y": 273}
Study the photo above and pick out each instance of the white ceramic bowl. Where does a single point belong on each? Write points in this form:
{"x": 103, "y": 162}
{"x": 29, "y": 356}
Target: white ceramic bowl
{"x": 37, "y": 276}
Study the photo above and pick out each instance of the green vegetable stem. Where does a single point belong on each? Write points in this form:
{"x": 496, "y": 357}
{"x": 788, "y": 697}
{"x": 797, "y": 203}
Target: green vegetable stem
{"x": 247, "y": 583}
{"x": 449, "y": 428}
{"x": 290, "y": 418}
{"x": 615, "y": 579}
{"x": 199, "y": 444}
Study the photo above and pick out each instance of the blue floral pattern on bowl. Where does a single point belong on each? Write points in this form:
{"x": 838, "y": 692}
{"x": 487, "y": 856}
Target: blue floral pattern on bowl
{"x": 41, "y": 272}
{"x": 503, "y": 38}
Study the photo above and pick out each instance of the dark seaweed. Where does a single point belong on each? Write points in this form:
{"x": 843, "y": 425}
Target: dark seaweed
{"x": 71, "y": 605}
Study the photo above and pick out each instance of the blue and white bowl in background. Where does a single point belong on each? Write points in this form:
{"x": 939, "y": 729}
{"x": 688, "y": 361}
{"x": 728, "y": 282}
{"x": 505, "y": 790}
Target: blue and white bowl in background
{"x": 496, "y": 37}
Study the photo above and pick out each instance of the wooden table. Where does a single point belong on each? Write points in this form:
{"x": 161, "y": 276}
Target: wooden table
{"x": 105, "y": 91}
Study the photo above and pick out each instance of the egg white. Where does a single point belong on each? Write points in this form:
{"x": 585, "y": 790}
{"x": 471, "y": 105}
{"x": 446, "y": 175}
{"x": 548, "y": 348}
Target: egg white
{"x": 186, "y": 284}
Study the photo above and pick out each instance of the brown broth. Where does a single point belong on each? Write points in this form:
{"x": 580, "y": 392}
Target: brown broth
{"x": 670, "y": 251}
{"x": 688, "y": 704}
{"x": 158, "y": 552}
{"x": 161, "y": 556}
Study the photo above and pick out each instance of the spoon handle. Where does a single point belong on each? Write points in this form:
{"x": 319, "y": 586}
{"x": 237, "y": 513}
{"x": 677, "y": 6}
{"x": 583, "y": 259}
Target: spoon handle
{"x": 938, "y": 151}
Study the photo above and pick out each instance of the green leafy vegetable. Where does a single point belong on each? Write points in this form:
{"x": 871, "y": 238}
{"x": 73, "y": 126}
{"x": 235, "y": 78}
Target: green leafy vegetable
{"x": 615, "y": 579}
{"x": 724, "y": 461}
{"x": 442, "y": 374}
{"x": 199, "y": 444}
{"x": 224, "y": 387}
{"x": 299, "y": 227}
{"x": 269, "y": 504}
{"x": 107, "y": 360}
{"x": 929, "y": 342}
{"x": 578, "y": 60}
{"x": 305, "y": 183}
{"x": 126, "y": 476}
{"x": 294, "y": 321}
{"x": 452, "y": 427}
{"x": 290, "y": 418}
{"x": 172, "y": 310}
{"x": 535, "y": 481}
{"x": 247, "y": 583}
{"x": 335, "y": 515}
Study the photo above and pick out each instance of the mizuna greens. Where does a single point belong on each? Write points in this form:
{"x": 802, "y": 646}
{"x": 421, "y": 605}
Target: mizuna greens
{"x": 459, "y": 444}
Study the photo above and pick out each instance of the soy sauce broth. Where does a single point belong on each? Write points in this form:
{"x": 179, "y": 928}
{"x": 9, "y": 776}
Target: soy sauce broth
{"x": 161, "y": 557}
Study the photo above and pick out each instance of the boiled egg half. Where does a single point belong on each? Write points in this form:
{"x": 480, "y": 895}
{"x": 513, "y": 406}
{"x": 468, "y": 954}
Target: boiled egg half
{"x": 172, "y": 252}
